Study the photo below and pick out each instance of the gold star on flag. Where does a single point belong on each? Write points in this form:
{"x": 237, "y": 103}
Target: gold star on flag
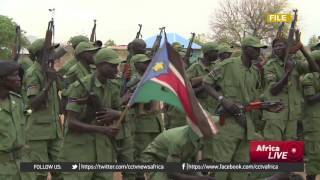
{"x": 158, "y": 67}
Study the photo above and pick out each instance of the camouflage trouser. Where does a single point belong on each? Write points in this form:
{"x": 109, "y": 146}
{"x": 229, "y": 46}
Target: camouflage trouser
{"x": 86, "y": 147}
{"x": 148, "y": 158}
{"x": 312, "y": 151}
{"x": 125, "y": 153}
{"x": 230, "y": 145}
{"x": 141, "y": 141}
{"x": 9, "y": 171}
{"x": 278, "y": 127}
{"x": 46, "y": 151}
{"x": 10, "y": 166}
{"x": 281, "y": 126}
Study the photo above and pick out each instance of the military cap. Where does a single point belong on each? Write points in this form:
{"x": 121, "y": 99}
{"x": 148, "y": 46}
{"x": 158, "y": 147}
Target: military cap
{"x": 85, "y": 46}
{"x": 37, "y": 46}
{"x": 177, "y": 46}
{"x": 7, "y": 67}
{"x": 138, "y": 44}
{"x": 107, "y": 55}
{"x": 209, "y": 46}
{"x": 139, "y": 58}
{"x": 315, "y": 55}
{"x": 222, "y": 48}
{"x": 252, "y": 42}
{"x": 78, "y": 39}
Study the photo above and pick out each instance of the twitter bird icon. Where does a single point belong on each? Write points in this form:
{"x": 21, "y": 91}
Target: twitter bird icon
{"x": 74, "y": 166}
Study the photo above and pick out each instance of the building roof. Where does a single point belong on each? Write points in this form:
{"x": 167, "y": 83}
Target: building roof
{"x": 172, "y": 37}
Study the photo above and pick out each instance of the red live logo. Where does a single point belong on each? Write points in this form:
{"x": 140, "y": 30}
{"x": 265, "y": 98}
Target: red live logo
{"x": 276, "y": 151}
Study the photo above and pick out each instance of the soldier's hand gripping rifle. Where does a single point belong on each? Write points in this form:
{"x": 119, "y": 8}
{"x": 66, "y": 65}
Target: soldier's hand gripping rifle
{"x": 17, "y": 44}
{"x": 189, "y": 50}
{"x": 255, "y": 105}
{"x": 280, "y": 30}
{"x": 139, "y": 32}
{"x": 290, "y": 38}
{"x": 157, "y": 42}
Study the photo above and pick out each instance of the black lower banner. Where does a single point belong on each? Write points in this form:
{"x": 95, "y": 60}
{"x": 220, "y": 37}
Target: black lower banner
{"x": 160, "y": 167}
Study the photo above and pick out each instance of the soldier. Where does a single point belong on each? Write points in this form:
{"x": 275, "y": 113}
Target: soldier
{"x": 236, "y": 80}
{"x": 84, "y": 54}
{"x": 137, "y": 46}
{"x": 44, "y": 129}
{"x": 224, "y": 51}
{"x": 125, "y": 138}
{"x": 12, "y": 122}
{"x": 179, "y": 144}
{"x": 74, "y": 42}
{"x": 146, "y": 116}
{"x": 198, "y": 70}
{"x": 182, "y": 52}
{"x": 282, "y": 82}
{"x": 179, "y": 48}
{"x": 91, "y": 138}
{"x": 311, "y": 123}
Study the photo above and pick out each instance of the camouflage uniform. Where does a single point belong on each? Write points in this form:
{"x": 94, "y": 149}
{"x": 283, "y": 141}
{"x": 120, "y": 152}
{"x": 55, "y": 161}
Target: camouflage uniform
{"x": 91, "y": 147}
{"x": 311, "y": 122}
{"x": 179, "y": 144}
{"x": 77, "y": 71}
{"x": 71, "y": 62}
{"x": 44, "y": 129}
{"x": 148, "y": 124}
{"x": 237, "y": 83}
{"x": 283, "y": 125}
{"x": 12, "y": 132}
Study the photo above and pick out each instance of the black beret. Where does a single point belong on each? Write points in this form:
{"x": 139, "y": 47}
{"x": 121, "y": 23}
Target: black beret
{"x": 7, "y": 67}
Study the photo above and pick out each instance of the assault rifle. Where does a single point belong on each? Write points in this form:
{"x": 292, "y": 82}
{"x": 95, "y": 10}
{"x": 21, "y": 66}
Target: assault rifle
{"x": 91, "y": 99}
{"x": 290, "y": 37}
{"x": 17, "y": 44}
{"x": 189, "y": 50}
{"x": 255, "y": 105}
{"x": 139, "y": 32}
{"x": 157, "y": 42}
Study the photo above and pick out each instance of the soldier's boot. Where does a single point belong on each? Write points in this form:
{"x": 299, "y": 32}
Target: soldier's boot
{"x": 311, "y": 177}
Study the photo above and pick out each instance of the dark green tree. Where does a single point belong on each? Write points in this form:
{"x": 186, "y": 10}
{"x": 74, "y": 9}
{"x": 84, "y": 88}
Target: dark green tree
{"x": 109, "y": 43}
{"x": 7, "y": 37}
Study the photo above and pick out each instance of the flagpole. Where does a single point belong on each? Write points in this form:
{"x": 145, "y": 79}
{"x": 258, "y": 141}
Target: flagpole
{"x": 123, "y": 114}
